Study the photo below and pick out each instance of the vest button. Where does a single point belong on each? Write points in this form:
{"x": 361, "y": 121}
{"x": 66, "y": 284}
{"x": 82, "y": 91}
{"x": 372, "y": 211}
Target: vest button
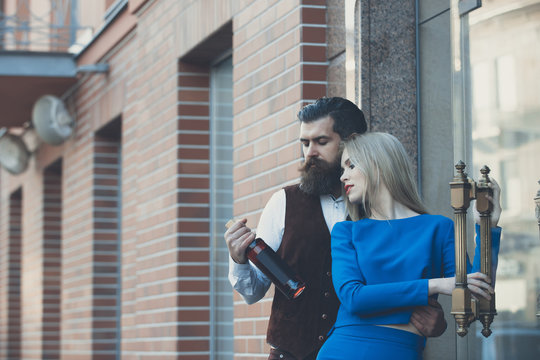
{"x": 326, "y": 294}
{"x": 321, "y": 338}
{"x": 328, "y": 273}
{"x": 324, "y": 316}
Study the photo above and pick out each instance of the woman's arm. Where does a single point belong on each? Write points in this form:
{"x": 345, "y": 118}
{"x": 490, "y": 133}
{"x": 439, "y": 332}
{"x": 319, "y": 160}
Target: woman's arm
{"x": 477, "y": 282}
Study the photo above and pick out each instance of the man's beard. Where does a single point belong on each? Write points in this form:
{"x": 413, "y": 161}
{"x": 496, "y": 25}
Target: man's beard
{"x": 319, "y": 177}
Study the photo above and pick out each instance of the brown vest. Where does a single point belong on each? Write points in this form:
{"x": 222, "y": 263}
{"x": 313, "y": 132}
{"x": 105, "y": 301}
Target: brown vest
{"x": 300, "y": 326}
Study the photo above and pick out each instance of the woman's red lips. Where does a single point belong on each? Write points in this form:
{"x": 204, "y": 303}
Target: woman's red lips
{"x": 347, "y": 189}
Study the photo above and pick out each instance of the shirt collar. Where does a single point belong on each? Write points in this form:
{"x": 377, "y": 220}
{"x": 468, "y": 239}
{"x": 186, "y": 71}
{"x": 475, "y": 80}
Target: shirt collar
{"x": 331, "y": 197}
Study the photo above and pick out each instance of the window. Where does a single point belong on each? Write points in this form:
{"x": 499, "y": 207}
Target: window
{"x": 221, "y": 200}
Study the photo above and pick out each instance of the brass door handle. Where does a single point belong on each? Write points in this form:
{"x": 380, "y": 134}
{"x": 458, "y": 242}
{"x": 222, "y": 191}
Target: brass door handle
{"x": 462, "y": 190}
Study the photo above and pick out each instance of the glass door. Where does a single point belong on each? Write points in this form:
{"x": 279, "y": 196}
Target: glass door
{"x": 500, "y": 121}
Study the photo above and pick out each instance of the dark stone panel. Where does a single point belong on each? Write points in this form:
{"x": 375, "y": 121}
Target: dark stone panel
{"x": 335, "y": 19}
{"x": 336, "y": 77}
{"x": 389, "y": 69}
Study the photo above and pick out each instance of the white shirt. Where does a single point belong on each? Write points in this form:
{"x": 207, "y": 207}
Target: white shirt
{"x": 249, "y": 281}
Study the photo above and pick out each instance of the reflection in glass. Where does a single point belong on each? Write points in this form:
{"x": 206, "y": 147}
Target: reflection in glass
{"x": 505, "y": 77}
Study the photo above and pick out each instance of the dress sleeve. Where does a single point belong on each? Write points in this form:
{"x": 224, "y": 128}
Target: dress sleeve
{"x": 350, "y": 285}
{"x": 495, "y": 246}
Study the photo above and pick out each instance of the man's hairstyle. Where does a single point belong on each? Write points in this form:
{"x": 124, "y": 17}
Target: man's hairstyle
{"x": 348, "y": 118}
{"x": 380, "y": 157}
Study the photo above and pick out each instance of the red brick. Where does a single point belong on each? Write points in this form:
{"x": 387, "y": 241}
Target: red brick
{"x": 191, "y": 68}
{"x": 313, "y": 34}
{"x": 193, "y": 345}
{"x": 193, "y": 183}
{"x": 192, "y": 300}
{"x": 313, "y": 91}
{"x": 314, "y": 53}
{"x": 193, "y": 110}
{"x": 313, "y": 15}
{"x": 193, "y": 139}
{"x": 194, "y": 212}
{"x": 193, "y": 270}
{"x": 187, "y": 124}
{"x": 188, "y": 153}
{"x": 193, "y": 95}
{"x": 193, "y": 226}
{"x": 193, "y": 168}
{"x": 314, "y": 2}
{"x": 193, "y": 241}
{"x": 193, "y": 285}
{"x": 200, "y": 81}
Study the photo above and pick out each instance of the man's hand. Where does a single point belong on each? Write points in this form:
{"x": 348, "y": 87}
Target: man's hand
{"x": 238, "y": 237}
{"x": 429, "y": 319}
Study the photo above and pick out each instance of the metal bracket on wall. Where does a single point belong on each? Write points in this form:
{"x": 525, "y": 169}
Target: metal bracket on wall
{"x": 466, "y": 6}
{"x": 94, "y": 68}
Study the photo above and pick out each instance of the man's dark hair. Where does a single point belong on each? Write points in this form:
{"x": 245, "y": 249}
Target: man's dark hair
{"x": 348, "y": 118}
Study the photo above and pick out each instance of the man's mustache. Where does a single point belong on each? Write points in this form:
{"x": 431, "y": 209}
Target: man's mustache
{"x": 312, "y": 162}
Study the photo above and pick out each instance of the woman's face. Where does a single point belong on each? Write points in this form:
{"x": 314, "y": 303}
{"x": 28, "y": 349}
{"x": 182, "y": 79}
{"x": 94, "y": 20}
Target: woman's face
{"x": 354, "y": 181}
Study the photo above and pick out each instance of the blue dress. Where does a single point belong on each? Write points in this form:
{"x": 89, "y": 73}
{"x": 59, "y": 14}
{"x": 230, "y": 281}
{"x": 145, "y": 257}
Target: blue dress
{"x": 380, "y": 270}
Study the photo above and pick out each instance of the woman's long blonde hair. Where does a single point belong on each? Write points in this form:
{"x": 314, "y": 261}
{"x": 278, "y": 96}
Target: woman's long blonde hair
{"x": 381, "y": 157}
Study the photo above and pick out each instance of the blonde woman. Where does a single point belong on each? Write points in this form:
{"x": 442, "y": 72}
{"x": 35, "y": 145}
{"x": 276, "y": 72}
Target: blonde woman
{"x": 393, "y": 258}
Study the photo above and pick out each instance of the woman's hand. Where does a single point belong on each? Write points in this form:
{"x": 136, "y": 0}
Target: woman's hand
{"x": 478, "y": 283}
{"x": 495, "y": 200}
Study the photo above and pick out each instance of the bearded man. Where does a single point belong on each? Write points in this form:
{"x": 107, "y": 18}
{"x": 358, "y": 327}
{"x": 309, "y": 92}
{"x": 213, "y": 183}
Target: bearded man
{"x": 296, "y": 222}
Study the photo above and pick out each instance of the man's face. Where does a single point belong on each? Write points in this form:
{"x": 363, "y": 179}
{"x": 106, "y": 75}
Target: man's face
{"x": 320, "y": 145}
{"x": 319, "y": 140}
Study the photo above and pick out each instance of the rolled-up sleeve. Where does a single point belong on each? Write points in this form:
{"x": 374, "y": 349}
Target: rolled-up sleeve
{"x": 246, "y": 279}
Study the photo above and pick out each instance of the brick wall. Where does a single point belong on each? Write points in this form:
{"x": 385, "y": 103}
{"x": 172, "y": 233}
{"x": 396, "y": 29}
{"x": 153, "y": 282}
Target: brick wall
{"x": 279, "y": 66}
{"x": 39, "y": 281}
{"x": 150, "y": 191}
{"x": 90, "y": 208}
{"x": 77, "y": 249}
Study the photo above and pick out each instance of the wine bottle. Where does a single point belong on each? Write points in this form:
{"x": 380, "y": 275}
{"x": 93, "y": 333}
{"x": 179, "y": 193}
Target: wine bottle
{"x": 281, "y": 274}
{"x": 283, "y": 277}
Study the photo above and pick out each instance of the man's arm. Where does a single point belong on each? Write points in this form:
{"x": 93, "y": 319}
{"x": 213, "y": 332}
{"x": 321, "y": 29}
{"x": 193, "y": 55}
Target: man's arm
{"x": 244, "y": 277}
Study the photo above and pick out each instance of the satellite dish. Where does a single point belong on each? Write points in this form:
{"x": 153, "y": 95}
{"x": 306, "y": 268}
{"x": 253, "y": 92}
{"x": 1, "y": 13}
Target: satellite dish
{"x": 51, "y": 120}
{"x": 14, "y": 154}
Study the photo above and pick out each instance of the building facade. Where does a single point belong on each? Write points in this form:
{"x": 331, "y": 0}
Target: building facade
{"x": 111, "y": 241}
